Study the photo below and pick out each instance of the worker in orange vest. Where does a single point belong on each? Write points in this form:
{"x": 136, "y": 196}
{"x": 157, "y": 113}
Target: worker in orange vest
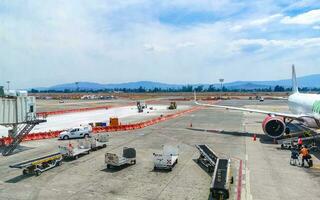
{"x": 299, "y": 142}
{"x": 305, "y": 155}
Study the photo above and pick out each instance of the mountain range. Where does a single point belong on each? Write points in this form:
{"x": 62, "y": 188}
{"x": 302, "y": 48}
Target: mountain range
{"x": 310, "y": 81}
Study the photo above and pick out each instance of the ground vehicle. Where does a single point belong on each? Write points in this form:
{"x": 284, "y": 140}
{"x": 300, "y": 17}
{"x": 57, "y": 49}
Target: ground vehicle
{"x": 141, "y": 106}
{"x": 38, "y": 165}
{"x": 99, "y": 141}
{"x": 76, "y": 132}
{"x": 221, "y": 180}
{"x": 173, "y": 105}
{"x": 168, "y": 159}
{"x": 128, "y": 158}
{"x": 208, "y": 158}
{"x": 71, "y": 151}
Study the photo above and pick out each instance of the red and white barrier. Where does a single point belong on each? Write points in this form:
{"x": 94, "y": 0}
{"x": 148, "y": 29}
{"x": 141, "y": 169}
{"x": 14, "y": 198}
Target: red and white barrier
{"x": 126, "y": 127}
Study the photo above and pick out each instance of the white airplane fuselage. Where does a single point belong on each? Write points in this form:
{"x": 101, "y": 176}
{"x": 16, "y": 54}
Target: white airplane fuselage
{"x": 306, "y": 104}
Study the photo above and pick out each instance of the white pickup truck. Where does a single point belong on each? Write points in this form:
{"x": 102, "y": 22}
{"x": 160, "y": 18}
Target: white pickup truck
{"x": 76, "y": 132}
{"x": 168, "y": 159}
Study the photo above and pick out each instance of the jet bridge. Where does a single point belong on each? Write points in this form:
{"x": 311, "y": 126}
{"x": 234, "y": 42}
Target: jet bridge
{"x": 18, "y": 112}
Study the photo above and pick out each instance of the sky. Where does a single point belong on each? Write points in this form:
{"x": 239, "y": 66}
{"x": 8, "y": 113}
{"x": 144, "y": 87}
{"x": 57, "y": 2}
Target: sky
{"x": 44, "y": 43}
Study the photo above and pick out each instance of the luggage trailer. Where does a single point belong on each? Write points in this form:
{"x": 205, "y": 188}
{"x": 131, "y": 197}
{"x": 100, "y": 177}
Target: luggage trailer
{"x": 128, "y": 158}
{"x": 38, "y": 165}
{"x": 84, "y": 146}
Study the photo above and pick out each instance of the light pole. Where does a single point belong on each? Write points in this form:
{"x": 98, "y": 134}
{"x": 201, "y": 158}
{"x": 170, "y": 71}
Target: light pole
{"x": 8, "y": 85}
{"x": 221, "y": 85}
{"x": 77, "y": 86}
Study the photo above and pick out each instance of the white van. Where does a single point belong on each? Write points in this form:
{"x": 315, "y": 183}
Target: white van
{"x": 76, "y": 132}
{"x": 167, "y": 159}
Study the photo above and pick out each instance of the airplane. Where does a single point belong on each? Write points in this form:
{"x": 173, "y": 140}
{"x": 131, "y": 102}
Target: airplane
{"x": 304, "y": 108}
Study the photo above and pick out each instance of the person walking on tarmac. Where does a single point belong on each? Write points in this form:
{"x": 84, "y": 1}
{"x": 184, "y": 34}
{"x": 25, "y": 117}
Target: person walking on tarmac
{"x": 305, "y": 155}
{"x": 294, "y": 157}
{"x": 299, "y": 142}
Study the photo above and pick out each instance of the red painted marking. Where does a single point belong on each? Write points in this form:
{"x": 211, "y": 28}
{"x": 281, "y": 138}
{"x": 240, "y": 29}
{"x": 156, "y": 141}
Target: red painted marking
{"x": 239, "y": 186}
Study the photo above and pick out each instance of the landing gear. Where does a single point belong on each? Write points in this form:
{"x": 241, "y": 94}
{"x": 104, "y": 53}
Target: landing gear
{"x": 287, "y": 131}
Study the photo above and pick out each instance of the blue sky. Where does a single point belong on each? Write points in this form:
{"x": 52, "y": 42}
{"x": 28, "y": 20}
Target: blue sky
{"x": 175, "y": 41}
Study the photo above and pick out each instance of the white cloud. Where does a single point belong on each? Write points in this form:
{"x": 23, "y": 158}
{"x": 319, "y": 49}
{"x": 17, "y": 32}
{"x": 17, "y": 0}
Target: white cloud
{"x": 265, "y": 20}
{"x": 302, "y": 4}
{"x": 316, "y": 27}
{"x": 264, "y": 43}
{"x": 185, "y": 44}
{"x": 156, "y": 48}
{"x": 49, "y": 42}
{"x": 310, "y": 17}
{"x": 256, "y": 22}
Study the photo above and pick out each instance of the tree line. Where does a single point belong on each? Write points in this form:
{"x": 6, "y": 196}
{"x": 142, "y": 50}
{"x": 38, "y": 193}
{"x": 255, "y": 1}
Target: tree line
{"x": 187, "y": 88}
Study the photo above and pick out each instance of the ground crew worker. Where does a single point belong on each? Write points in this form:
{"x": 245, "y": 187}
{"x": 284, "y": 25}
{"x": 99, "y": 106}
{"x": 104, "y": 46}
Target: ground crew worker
{"x": 299, "y": 142}
{"x": 294, "y": 157}
{"x": 305, "y": 155}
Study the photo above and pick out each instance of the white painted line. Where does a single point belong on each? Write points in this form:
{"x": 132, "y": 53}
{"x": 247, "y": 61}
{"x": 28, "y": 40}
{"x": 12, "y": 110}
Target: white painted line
{"x": 248, "y": 192}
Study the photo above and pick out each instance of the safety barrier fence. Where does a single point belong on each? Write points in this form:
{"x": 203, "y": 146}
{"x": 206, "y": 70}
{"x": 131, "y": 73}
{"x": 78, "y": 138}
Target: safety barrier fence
{"x": 125, "y": 127}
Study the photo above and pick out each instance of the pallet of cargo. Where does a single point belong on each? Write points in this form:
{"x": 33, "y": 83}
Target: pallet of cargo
{"x": 38, "y": 165}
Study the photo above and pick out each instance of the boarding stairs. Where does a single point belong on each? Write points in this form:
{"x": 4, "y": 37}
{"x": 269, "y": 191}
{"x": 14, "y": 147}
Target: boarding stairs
{"x": 23, "y": 131}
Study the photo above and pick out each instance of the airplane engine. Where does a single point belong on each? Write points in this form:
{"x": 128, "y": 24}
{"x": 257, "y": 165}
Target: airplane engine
{"x": 274, "y": 127}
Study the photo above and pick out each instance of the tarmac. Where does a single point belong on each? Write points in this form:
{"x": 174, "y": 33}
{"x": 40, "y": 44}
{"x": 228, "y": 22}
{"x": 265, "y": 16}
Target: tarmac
{"x": 266, "y": 172}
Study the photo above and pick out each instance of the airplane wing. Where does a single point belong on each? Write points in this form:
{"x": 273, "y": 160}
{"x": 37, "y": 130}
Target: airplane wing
{"x": 279, "y": 114}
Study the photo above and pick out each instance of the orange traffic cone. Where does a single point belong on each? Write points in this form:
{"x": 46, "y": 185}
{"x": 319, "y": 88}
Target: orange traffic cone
{"x": 254, "y": 137}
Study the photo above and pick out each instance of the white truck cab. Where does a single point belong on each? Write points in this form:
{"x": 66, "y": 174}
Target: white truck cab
{"x": 76, "y": 132}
